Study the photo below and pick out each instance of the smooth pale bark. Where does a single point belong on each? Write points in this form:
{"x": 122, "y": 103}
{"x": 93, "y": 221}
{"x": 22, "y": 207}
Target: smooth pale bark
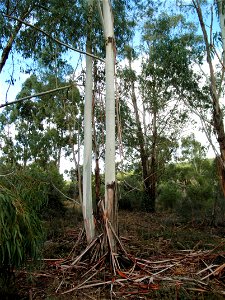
{"x": 87, "y": 205}
{"x": 110, "y": 173}
{"x": 110, "y": 93}
{"x": 221, "y": 10}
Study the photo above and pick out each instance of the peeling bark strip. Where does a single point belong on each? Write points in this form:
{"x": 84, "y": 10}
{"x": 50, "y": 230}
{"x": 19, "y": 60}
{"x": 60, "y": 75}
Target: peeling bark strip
{"x": 221, "y": 173}
{"x": 112, "y": 211}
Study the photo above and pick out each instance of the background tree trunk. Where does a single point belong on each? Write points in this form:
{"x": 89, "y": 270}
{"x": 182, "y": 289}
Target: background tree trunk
{"x": 96, "y": 151}
{"x": 8, "y": 47}
{"x": 153, "y": 166}
{"x": 217, "y": 114}
{"x": 148, "y": 181}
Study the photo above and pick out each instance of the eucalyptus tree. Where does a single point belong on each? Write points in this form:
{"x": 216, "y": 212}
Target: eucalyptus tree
{"x": 87, "y": 204}
{"x": 193, "y": 152}
{"x": 41, "y": 125}
{"x": 106, "y": 15}
{"x": 216, "y": 78}
{"x": 110, "y": 164}
{"x": 169, "y": 78}
{"x": 103, "y": 44}
{"x": 166, "y": 79}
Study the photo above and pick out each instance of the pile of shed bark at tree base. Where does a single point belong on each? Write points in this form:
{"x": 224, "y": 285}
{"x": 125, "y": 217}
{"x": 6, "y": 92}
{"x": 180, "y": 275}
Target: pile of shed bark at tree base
{"x": 121, "y": 275}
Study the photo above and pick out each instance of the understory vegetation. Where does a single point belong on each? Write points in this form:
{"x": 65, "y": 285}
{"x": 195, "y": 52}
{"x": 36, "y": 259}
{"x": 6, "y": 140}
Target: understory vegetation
{"x": 191, "y": 191}
{"x": 40, "y": 221}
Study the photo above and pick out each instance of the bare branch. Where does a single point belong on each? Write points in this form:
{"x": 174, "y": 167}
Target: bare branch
{"x": 36, "y": 95}
{"x": 54, "y": 39}
{"x": 71, "y": 199}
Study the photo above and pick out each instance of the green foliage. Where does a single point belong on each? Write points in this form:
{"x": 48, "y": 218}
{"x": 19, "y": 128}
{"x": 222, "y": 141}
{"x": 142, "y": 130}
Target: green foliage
{"x": 44, "y": 126}
{"x": 192, "y": 190}
{"x": 68, "y": 24}
{"x": 191, "y": 186}
{"x": 169, "y": 195}
{"x": 173, "y": 45}
{"x": 130, "y": 191}
{"x": 55, "y": 186}
{"x": 31, "y": 43}
{"x": 27, "y": 197}
{"x": 21, "y": 233}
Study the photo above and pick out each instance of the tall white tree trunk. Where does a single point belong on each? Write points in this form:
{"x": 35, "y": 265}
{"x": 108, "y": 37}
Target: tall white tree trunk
{"x": 110, "y": 94}
{"x": 110, "y": 176}
{"x": 87, "y": 169}
{"x": 221, "y": 10}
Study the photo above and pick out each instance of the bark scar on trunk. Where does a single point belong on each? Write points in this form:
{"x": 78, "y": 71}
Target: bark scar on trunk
{"x": 109, "y": 40}
{"x": 111, "y": 185}
{"x": 111, "y": 212}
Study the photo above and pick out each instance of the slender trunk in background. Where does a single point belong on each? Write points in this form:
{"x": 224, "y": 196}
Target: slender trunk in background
{"x": 110, "y": 170}
{"x": 96, "y": 150}
{"x": 58, "y": 152}
{"x": 8, "y": 47}
{"x": 97, "y": 175}
{"x": 58, "y": 160}
{"x": 148, "y": 201}
{"x": 77, "y": 172}
{"x": 217, "y": 115}
{"x": 153, "y": 166}
{"x": 144, "y": 121}
{"x": 87, "y": 205}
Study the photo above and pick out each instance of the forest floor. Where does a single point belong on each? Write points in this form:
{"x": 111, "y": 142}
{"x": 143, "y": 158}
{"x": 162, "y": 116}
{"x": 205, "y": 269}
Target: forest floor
{"x": 187, "y": 261}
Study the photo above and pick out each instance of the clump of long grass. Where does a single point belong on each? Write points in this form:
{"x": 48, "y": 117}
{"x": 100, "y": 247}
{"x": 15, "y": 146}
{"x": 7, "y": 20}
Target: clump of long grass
{"x": 21, "y": 232}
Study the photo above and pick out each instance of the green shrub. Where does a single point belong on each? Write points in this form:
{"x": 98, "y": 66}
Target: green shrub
{"x": 21, "y": 231}
{"x": 55, "y": 186}
{"x": 169, "y": 195}
{"x": 130, "y": 191}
